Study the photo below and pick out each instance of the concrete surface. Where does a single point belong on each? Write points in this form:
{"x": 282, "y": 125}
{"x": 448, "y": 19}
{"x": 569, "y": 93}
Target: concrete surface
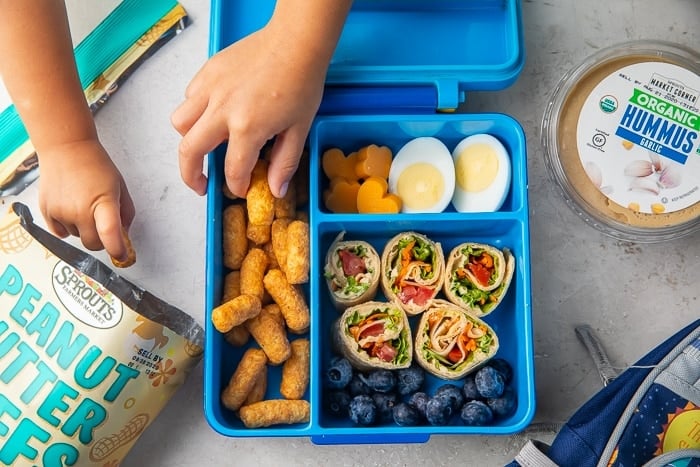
{"x": 633, "y": 295}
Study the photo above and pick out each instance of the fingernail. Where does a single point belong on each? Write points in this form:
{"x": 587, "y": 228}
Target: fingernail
{"x": 283, "y": 189}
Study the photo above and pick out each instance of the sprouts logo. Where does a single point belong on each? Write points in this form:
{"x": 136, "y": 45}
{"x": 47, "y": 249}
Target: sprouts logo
{"x": 86, "y": 299}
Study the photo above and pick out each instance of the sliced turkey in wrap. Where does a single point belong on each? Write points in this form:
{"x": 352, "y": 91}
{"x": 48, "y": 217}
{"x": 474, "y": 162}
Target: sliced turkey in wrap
{"x": 451, "y": 343}
{"x": 477, "y": 276}
{"x": 412, "y": 271}
{"x": 374, "y": 335}
{"x": 351, "y": 271}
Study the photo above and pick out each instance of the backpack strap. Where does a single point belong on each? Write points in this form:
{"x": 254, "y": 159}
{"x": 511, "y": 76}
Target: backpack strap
{"x": 678, "y": 370}
{"x": 583, "y": 440}
{"x": 533, "y": 454}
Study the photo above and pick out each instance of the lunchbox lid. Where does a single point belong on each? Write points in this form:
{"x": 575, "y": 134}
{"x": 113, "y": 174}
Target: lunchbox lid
{"x": 407, "y": 55}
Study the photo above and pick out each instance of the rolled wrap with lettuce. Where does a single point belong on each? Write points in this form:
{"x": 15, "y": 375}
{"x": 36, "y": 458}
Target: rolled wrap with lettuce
{"x": 351, "y": 272}
{"x": 477, "y": 276}
{"x": 374, "y": 335}
{"x": 451, "y": 343}
{"x": 413, "y": 268}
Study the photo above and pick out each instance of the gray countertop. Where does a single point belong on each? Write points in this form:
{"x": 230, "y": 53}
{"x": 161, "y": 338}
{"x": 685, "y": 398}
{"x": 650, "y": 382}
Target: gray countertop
{"x": 633, "y": 295}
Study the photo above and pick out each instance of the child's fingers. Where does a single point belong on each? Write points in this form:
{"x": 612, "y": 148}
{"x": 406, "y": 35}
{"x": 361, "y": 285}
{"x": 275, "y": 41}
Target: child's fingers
{"x": 205, "y": 135}
{"x": 187, "y": 114}
{"x": 241, "y": 156}
{"x": 284, "y": 159}
{"x": 127, "y": 211}
{"x": 108, "y": 229}
{"x": 57, "y": 228}
{"x": 199, "y": 80}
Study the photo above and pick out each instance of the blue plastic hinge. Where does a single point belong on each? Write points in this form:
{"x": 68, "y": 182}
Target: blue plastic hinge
{"x": 448, "y": 94}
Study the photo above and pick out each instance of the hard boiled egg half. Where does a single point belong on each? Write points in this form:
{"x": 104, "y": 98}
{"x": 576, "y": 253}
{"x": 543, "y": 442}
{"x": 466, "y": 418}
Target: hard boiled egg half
{"x": 422, "y": 174}
{"x": 483, "y": 173}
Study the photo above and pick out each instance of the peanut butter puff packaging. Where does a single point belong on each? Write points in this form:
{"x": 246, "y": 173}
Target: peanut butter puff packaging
{"x": 87, "y": 359}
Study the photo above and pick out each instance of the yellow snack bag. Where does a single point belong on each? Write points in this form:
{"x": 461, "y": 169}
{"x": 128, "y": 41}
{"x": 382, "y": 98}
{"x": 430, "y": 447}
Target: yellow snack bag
{"x": 87, "y": 359}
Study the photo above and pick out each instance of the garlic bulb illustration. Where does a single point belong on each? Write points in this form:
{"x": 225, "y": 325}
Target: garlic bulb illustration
{"x": 653, "y": 175}
{"x": 645, "y": 184}
{"x": 670, "y": 177}
{"x": 594, "y": 173}
{"x": 655, "y": 161}
{"x": 639, "y": 168}
{"x": 596, "y": 176}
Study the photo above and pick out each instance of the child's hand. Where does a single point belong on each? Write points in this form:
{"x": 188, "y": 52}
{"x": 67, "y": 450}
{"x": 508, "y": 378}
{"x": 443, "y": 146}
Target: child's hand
{"x": 82, "y": 193}
{"x": 248, "y": 93}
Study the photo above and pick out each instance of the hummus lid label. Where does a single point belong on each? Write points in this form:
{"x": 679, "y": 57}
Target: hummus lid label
{"x": 85, "y": 298}
{"x": 638, "y": 137}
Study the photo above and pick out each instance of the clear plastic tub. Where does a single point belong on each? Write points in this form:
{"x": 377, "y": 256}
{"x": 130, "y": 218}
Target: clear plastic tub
{"x": 621, "y": 141}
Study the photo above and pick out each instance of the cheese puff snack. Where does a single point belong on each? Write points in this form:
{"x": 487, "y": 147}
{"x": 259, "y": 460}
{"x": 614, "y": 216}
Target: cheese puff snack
{"x": 297, "y": 257}
{"x": 290, "y": 300}
{"x": 275, "y": 412}
{"x": 295, "y": 371}
{"x": 270, "y": 333}
{"x": 252, "y": 271}
{"x": 131, "y": 253}
{"x": 235, "y": 312}
{"x": 234, "y": 241}
{"x": 252, "y": 364}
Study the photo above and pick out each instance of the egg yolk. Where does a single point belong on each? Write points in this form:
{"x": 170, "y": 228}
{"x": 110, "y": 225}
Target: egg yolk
{"x": 420, "y": 186}
{"x": 476, "y": 167}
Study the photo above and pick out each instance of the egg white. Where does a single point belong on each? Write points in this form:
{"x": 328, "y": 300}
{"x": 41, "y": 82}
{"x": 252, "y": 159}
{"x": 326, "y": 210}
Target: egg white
{"x": 491, "y": 197}
{"x": 427, "y": 150}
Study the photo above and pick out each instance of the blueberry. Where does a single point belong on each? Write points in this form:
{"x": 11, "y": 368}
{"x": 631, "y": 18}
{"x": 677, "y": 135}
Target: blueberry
{"x": 438, "y": 410}
{"x": 385, "y": 402}
{"x": 338, "y": 373}
{"x": 469, "y": 389}
{"x": 336, "y": 403}
{"x": 505, "y": 404}
{"x": 409, "y": 380}
{"x": 503, "y": 367}
{"x": 357, "y": 386}
{"x": 362, "y": 410}
{"x": 380, "y": 380}
{"x": 476, "y": 413}
{"x": 406, "y": 415}
{"x": 489, "y": 382}
{"x": 452, "y": 392}
{"x": 419, "y": 400}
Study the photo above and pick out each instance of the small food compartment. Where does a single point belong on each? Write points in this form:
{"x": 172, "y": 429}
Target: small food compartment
{"x": 349, "y": 134}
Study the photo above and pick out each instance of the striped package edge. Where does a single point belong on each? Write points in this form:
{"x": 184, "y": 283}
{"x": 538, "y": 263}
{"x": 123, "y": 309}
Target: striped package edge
{"x": 129, "y": 35}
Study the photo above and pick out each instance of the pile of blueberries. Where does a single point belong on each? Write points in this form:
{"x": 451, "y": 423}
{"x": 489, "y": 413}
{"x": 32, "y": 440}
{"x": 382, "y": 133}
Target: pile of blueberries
{"x": 381, "y": 396}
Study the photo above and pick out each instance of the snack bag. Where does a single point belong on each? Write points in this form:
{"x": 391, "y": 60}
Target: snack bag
{"x": 87, "y": 359}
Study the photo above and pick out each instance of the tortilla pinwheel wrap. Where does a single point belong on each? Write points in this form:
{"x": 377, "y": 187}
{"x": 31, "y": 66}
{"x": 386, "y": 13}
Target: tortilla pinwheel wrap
{"x": 477, "y": 276}
{"x": 413, "y": 268}
{"x": 374, "y": 335}
{"x": 451, "y": 343}
{"x": 352, "y": 272}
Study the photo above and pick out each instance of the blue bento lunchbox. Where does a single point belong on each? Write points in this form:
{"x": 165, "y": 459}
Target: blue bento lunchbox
{"x": 400, "y": 67}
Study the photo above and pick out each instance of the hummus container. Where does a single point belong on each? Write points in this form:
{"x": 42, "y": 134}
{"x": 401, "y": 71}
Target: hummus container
{"x": 621, "y": 140}
{"x": 389, "y": 95}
